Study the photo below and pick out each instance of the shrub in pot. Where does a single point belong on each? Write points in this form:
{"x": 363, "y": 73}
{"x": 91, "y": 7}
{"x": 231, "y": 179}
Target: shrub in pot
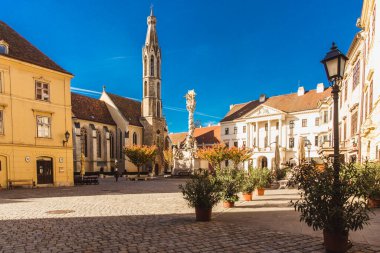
{"x": 334, "y": 206}
{"x": 248, "y": 185}
{"x": 263, "y": 179}
{"x": 371, "y": 172}
{"x": 230, "y": 180}
{"x": 202, "y": 191}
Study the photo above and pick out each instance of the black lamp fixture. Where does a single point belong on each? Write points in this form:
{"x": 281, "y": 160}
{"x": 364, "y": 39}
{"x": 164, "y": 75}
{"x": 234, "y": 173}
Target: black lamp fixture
{"x": 67, "y": 136}
{"x": 334, "y": 62}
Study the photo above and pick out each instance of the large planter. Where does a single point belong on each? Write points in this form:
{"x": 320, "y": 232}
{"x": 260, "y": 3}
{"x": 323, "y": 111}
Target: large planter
{"x": 260, "y": 192}
{"x": 247, "y": 196}
{"x": 203, "y": 214}
{"x": 335, "y": 242}
{"x": 374, "y": 203}
{"x": 228, "y": 204}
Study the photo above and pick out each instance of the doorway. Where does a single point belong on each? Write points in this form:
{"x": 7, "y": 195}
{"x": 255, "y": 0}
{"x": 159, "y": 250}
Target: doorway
{"x": 44, "y": 170}
{"x": 3, "y": 172}
{"x": 156, "y": 169}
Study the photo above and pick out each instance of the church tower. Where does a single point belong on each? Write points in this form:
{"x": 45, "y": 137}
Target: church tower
{"x": 155, "y": 129}
{"x": 151, "y": 56}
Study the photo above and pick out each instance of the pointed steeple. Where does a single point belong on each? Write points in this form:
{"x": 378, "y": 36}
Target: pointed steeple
{"x": 151, "y": 35}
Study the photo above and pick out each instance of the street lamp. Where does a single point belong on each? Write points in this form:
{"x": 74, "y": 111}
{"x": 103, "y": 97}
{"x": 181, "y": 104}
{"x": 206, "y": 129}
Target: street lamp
{"x": 67, "y": 136}
{"x": 334, "y": 63}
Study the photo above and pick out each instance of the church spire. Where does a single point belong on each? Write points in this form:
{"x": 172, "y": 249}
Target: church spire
{"x": 151, "y": 35}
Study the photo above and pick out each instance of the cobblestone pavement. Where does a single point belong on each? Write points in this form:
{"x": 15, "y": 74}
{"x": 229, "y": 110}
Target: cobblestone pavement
{"x": 149, "y": 217}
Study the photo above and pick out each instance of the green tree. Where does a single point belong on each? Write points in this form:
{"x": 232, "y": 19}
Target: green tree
{"x": 140, "y": 155}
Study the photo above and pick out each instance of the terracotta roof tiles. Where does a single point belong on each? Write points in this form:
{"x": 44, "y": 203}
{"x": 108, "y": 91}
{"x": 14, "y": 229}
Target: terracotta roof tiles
{"x": 203, "y": 135}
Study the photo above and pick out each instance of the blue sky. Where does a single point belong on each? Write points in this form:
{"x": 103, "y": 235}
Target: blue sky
{"x": 228, "y": 51}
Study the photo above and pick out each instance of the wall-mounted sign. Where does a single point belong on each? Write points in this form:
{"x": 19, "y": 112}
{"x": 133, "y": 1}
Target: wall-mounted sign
{"x": 61, "y": 159}
{"x": 27, "y": 159}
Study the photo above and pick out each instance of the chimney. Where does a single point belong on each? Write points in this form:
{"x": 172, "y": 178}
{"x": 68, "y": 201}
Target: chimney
{"x": 231, "y": 106}
{"x": 320, "y": 87}
{"x": 262, "y": 98}
{"x": 301, "y": 91}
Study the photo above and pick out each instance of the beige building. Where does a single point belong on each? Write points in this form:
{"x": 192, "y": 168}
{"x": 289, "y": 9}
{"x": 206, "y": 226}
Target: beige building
{"x": 35, "y": 115}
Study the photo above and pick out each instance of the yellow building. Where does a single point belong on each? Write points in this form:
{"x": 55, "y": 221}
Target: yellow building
{"x": 35, "y": 115}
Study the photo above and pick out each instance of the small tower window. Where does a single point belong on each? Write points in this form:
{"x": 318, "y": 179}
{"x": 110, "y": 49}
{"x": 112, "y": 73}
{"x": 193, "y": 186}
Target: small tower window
{"x": 158, "y": 90}
{"x": 146, "y": 89}
{"x": 134, "y": 139}
{"x": 152, "y": 65}
{"x": 145, "y": 66}
{"x": 3, "y": 47}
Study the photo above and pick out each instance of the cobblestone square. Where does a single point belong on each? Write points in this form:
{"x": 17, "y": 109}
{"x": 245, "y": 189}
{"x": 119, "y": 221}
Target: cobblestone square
{"x": 151, "y": 216}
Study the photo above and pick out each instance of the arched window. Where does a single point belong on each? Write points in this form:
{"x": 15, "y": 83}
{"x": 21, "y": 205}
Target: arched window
{"x": 158, "y": 90}
{"x": 134, "y": 139}
{"x": 146, "y": 89}
{"x": 99, "y": 143}
{"x": 152, "y": 65}
{"x": 3, "y": 47}
{"x": 158, "y": 67}
{"x": 145, "y": 66}
{"x": 84, "y": 148}
{"x": 158, "y": 109}
{"x": 112, "y": 145}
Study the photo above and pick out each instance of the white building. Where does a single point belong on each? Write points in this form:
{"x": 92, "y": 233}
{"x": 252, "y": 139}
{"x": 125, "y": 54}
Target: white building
{"x": 283, "y": 119}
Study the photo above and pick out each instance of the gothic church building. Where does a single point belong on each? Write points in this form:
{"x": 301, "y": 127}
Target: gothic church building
{"x": 102, "y": 127}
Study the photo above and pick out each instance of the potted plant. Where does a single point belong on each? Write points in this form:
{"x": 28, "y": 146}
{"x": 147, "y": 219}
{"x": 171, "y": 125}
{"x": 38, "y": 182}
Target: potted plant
{"x": 334, "y": 205}
{"x": 249, "y": 185}
{"x": 230, "y": 180}
{"x": 263, "y": 178}
{"x": 202, "y": 191}
{"x": 372, "y": 174}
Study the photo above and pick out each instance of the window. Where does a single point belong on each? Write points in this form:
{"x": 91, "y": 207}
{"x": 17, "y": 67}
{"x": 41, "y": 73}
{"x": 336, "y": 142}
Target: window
{"x": 42, "y": 91}
{"x": 226, "y": 131}
{"x": 317, "y": 121}
{"x": 316, "y": 141}
{"x": 112, "y": 146}
{"x": 291, "y": 142}
{"x": 152, "y": 65}
{"x": 145, "y": 66}
{"x": 356, "y": 75}
{"x": 277, "y": 125}
{"x": 244, "y": 129}
{"x": 3, "y": 47}
{"x": 146, "y": 89}
{"x": 304, "y": 122}
{"x": 266, "y": 141}
{"x": 235, "y": 144}
{"x": 235, "y": 130}
{"x": 354, "y": 123}
{"x": 99, "y": 144}
{"x": 43, "y": 127}
{"x": 84, "y": 143}
{"x": 291, "y": 124}
{"x": 266, "y": 126}
{"x": 134, "y": 139}
{"x": 325, "y": 116}
{"x": 1, "y": 122}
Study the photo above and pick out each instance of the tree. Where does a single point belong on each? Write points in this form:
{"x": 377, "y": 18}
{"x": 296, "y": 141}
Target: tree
{"x": 214, "y": 155}
{"x": 239, "y": 155}
{"x": 140, "y": 155}
{"x": 169, "y": 157}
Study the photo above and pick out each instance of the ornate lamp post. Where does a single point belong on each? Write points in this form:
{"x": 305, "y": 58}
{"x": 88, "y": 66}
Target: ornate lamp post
{"x": 335, "y": 62}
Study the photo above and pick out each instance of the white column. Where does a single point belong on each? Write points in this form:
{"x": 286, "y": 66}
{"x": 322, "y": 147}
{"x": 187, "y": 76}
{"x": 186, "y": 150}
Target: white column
{"x": 248, "y": 134}
{"x": 257, "y": 134}
{"x": 280, "y": 132}
{"x": 269, "y": 134}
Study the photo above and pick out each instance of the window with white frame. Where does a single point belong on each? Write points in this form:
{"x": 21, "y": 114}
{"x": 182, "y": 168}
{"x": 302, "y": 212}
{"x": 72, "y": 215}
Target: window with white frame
{"x": 3, "y": 47}
{"x": 304, "y": 122}
{"x": 356, "y": 75}
{"x": 235, "y": 130}
{"x": 1, "y": 122}
{"x": 291, "y": 142}
{"x": 291, "y": 124}
{"x": 42, "y": 91}
{"x": 43, "y": 126}
{"x": 317, "y": 121}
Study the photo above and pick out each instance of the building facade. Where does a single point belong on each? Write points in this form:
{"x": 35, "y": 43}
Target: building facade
{"x": 103, "y": 127}
{"x": 35, "y": 115}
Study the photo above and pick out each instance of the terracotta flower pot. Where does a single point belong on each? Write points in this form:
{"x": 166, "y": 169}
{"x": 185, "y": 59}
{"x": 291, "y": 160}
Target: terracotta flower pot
{"x": 260, "y": 192}
{"x": 335, "y": 242}
{"x": 203, "y": 214}
{"x": 374, "y": 203}
{"x": 228, "y": 204}
{"x": 247, "y": 196}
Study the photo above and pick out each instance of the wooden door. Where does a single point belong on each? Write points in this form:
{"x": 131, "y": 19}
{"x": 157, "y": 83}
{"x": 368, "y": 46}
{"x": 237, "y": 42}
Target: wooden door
{"x": 44, "y": 171}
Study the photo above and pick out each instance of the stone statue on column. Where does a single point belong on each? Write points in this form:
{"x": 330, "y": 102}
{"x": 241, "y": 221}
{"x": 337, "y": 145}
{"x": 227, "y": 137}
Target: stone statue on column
{"x": 190, "y": 106}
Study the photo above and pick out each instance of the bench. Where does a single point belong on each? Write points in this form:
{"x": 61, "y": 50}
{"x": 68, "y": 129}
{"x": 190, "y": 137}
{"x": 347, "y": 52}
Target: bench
{"x": 86, "y": 180}
{"x": 14, "y": 182}
{"x": 136, "y": 177}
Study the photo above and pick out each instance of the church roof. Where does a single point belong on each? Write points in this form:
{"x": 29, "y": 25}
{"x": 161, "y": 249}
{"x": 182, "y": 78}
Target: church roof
{"x": 286, "y": 103}
{"x": 21, "y": 49}
{"x": 90, "y": 109}
{"x": 129, "y": 108}
{"x": 203, "y": 135}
